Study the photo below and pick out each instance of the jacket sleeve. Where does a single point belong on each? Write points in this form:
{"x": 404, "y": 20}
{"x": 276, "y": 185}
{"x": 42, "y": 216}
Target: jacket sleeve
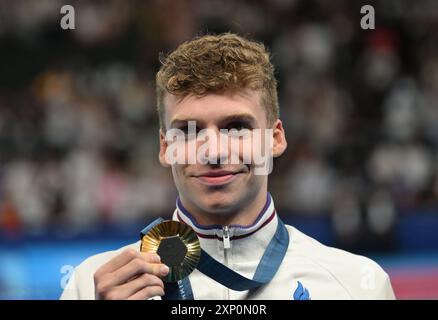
{"x": 71, "y": 291}
{"x": 386, "y": 291}
{"x": 81, "y": 284}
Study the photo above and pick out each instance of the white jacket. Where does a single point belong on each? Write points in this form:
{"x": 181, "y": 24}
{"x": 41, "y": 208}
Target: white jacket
{"x": 310, "y": 270}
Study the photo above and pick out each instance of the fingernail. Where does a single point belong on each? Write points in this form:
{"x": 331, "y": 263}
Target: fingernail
{"x": 164, "y": 270}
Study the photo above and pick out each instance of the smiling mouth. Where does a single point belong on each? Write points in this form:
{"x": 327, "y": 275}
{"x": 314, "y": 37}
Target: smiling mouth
{"x": 217, "y": 178}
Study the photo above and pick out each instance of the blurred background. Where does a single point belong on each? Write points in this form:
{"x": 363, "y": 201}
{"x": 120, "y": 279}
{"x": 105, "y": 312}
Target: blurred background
{"x": 79, "y": 172}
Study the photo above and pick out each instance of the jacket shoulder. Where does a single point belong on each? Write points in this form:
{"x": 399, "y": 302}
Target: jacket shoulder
{"x": 361, "y": 277}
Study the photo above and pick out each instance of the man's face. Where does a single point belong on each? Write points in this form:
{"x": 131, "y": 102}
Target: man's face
{"x": 218, "y": 188}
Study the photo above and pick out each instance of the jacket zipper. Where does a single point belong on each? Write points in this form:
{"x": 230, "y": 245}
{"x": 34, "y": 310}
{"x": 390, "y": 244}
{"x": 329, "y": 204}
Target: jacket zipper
{"x": 227, "y": 247}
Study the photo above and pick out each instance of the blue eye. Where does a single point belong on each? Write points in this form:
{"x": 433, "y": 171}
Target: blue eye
{"x": 184, "y": 129}
{"x": 187, "y": 129}
{"x": 189, "y": 134}
{"x": 238, "y": 125}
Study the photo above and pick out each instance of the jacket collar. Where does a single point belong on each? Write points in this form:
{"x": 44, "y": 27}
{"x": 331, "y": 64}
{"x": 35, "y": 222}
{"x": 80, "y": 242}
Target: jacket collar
{"x": 265, "y": 217}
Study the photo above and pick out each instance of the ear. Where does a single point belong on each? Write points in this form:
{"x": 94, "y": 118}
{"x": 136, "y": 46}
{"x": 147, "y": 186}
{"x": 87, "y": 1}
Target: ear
{"x": 163, "y": 149}
{"x": 279, "y": 143}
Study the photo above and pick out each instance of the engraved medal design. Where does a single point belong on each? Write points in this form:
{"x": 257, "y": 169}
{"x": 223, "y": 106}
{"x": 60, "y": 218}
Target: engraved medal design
{"x": 177, "y": 245}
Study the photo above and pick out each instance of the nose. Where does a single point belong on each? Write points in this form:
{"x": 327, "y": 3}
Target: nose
{"x": 217, "y": 147}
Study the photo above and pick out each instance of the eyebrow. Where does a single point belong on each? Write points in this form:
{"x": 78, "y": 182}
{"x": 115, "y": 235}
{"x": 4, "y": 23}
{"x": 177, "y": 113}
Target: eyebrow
{"x": 233, "y": 117}
{"x": 239, "y": 117}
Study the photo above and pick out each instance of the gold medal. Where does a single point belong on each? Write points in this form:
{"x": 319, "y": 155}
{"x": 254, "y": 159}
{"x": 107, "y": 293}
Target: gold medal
{"x": 177, "y": 245}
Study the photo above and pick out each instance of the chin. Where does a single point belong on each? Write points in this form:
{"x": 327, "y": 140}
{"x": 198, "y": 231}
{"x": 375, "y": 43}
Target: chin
{"x": 218, "y": 202}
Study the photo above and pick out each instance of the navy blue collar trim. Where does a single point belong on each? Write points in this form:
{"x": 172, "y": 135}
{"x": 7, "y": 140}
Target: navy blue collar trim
{"x": 217, "y": 226}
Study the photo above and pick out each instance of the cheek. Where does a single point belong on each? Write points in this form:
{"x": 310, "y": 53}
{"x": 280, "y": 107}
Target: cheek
{"x": 181, "y": 179}
{"x": 246, "y": 149}
{"x": 178, "y": 174}
{"x": 253, "y": 147}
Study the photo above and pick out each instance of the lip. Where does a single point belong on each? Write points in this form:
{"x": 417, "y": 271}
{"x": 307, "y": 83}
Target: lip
{"x": 215, "y": 178}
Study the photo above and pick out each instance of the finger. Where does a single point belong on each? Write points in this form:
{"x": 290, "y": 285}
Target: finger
{"x": 150, "y": 257}
{"x": 118, "y": 261}
{"x": 135, "y": 268}
{"x": 143, "y": 281}
{"x": 147, "y": 293}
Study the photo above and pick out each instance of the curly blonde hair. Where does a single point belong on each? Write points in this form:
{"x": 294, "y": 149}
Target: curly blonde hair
{"x": 214, "y": 64}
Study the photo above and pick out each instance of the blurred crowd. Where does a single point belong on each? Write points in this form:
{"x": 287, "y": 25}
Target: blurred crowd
{"x": 79, "y": 133}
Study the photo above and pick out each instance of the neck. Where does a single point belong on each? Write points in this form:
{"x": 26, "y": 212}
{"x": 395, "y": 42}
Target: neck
{"x": 244, "y": 216}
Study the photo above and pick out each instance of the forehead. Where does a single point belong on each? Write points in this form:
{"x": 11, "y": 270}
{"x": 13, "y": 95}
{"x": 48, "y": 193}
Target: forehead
{"x": 214, "y": 107}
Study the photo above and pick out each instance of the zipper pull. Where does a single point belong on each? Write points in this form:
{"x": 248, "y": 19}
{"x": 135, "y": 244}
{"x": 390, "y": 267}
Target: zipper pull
{"x": 226, "y": 237}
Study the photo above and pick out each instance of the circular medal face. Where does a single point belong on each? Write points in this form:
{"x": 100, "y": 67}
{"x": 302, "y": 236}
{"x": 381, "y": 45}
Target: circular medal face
{"x": 177, "y": 245}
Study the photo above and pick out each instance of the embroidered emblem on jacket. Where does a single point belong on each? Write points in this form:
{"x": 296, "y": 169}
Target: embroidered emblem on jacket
{"x": 301, "y": 293}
